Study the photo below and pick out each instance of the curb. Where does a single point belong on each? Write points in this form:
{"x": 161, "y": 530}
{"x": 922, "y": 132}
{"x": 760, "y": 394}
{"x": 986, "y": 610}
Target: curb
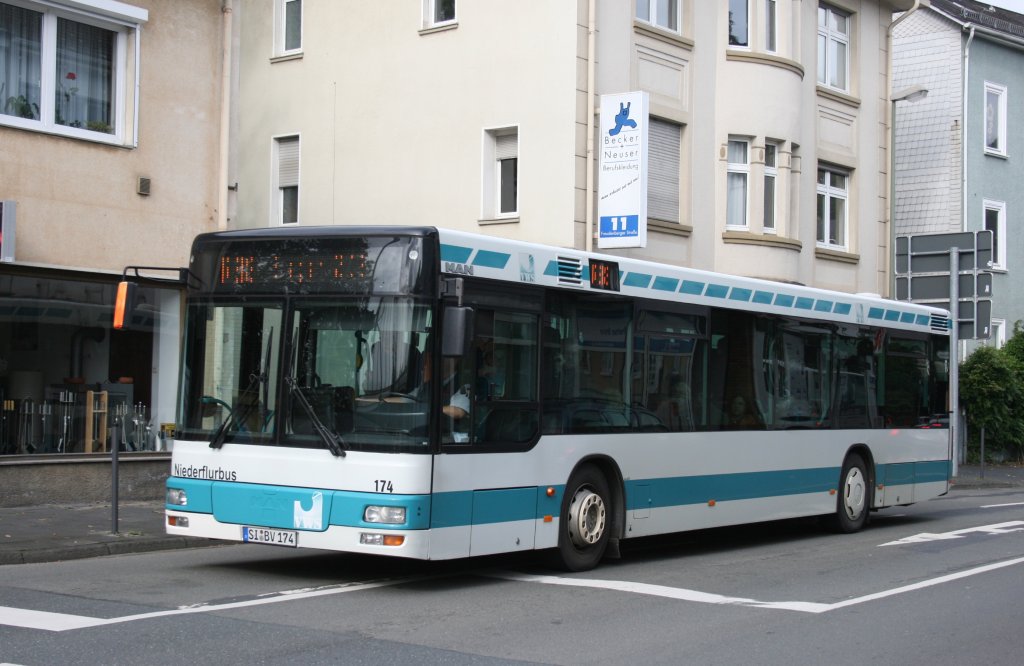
{"x": 90, "y": 550}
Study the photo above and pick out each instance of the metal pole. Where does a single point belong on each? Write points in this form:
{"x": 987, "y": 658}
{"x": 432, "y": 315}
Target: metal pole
{"x": 983, "y": 452}
{"x": 115, "y": 444}
{"x": 954, "y": 356}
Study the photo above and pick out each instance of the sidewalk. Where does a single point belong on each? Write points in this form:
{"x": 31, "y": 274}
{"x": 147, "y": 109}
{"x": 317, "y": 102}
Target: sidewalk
{"x": 57, "y": 532}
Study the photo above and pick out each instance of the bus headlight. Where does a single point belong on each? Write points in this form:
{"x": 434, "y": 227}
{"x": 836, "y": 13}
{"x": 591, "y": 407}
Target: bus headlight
{"x": 390, "y": 515}
{"x": 177, "y": 497}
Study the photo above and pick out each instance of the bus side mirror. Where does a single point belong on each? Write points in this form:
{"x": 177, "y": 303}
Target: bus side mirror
{"x": 457, "y": 332}
{"x": 124, "y": 304}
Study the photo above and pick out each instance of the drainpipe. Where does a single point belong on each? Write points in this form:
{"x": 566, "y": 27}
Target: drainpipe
{"x": 591, "y": 41}
{"x": 227, "y": 10}
{"x": 963, "y": 130}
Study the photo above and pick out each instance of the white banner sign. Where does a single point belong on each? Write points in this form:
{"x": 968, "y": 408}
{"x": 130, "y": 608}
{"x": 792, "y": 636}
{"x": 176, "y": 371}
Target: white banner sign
{"x": 622, "y": 176}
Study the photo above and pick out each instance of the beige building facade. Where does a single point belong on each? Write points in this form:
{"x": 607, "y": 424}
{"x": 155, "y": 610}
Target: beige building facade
{"x": 770, "y": 124}
{"x": 110, "y": 125}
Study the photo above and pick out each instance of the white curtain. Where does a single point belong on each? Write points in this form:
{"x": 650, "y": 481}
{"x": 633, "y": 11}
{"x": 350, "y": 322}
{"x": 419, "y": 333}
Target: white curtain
{"x": 20, "y": 61}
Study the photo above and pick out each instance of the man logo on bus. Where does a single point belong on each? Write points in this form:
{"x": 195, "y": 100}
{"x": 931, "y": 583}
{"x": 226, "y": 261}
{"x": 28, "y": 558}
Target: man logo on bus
{"x": 622, "y": 119}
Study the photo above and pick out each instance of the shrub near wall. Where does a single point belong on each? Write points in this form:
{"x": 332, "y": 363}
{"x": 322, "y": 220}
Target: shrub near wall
{"x": 992, "y": 395}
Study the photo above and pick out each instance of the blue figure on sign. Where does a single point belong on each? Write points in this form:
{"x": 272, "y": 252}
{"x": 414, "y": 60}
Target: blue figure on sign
{"x": 622, "y": 119}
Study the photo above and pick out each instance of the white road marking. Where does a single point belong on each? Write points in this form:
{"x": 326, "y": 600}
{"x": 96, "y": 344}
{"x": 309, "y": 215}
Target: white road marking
{"x": 924, "y": 537}
{"x": 1001, "y": 506}
{"x": 30, "y": 619}
{"x": 57, "y": 622}
{"x": 704, "y": 597}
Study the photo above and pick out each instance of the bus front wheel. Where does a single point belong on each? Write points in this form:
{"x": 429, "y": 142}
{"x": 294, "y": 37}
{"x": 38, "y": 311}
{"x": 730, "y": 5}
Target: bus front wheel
{"x": 583, "y": 529}
{"x": 854, "y": 501}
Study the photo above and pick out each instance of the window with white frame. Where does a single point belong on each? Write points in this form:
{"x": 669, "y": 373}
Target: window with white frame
{"x": 995, "y": 119}
{"x": 438, "y": 13}
{"x": 663, "y": 170}
{"x": 661, "y": 13}
{"x": 288, "y": 27}
{"x": 771, "y": 178}
{"x": 770, "y": 25}
{"x": 738, "y": 173}
{"x": 286, "y": 190}
{"x": 833, "y": 47}
{"x": 739, "y": 22}
{"x": 67, "y": 72}
{"x": 833, "y": 194}
{"x": 997, "y": 333}
{"x": 501, "y": 173}
{"x": 995, "y": 221}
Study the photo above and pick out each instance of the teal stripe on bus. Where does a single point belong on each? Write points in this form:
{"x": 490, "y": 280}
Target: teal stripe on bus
{"x": 639, "y": 280}
{"x": 488, "y": 259}
{"x": 689, "y": 490}
{"x": 455, "y": 253}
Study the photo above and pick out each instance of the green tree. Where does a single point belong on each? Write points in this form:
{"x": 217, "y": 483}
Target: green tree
{"x": 992, "y": 394}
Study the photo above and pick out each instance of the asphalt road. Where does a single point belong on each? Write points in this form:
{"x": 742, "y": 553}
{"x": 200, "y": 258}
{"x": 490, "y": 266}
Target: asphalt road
{"x": 935, "y": 583}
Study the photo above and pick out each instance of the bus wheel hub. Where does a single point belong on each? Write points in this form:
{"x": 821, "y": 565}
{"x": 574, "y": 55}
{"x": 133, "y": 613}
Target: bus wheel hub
{"x": 586, "y": 518}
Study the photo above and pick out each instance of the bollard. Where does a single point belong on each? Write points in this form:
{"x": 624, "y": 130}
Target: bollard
{"x": 115, "y": 445}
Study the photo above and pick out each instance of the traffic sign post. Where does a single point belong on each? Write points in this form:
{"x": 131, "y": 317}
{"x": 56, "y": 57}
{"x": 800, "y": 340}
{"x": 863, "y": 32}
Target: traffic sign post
{"x": 949, "y": 271}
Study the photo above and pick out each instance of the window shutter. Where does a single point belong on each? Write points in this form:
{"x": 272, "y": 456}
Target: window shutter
{"x": 506, "y": 146}
{"x": 663, "y": 170}
{"x": 288, "y": 162}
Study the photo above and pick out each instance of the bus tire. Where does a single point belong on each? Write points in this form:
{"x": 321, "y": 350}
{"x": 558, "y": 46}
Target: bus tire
{"x": 853, "y": 503}
{"x": 585, "y": 523}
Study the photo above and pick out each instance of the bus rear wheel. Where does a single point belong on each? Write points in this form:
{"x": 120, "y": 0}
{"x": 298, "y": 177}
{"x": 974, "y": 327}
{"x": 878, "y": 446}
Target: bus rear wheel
{"x": 854, "y": 501}
{"x": 583, "y": 529}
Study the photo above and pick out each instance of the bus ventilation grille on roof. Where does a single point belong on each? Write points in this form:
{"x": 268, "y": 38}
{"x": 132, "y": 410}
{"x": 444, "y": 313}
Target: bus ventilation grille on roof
{"x": 570, "y": 271}
{"x": 940, "y": 323}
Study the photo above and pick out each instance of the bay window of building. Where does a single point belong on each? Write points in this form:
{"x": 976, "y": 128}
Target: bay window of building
{"x": 739, "y": 23}
{"x": 771, "y": 178}
{"x": 660, "y": 13}
{"x": 833, "y": 48}
{"x": 833, "y": 195}
{"x": 737, "y": 183}
{"x": 66, "y": 72}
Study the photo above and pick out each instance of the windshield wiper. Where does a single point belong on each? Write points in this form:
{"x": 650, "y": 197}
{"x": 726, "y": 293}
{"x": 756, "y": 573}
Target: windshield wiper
{"x": 237, "y": 415}
{"x": 332, "y": 439}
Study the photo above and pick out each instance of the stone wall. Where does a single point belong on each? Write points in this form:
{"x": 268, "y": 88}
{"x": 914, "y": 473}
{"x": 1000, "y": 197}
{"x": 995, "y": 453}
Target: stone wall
{"x": 27, "y": 481}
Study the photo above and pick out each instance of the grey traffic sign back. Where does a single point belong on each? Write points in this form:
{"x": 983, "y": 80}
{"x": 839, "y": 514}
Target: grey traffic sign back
{"x": 922, "y": 264}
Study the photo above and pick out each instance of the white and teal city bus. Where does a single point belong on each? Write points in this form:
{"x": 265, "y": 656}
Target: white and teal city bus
{"x": 431, "y": 394}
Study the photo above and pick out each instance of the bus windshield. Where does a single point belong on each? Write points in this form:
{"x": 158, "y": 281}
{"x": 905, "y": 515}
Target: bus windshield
{"x": 314, "y": 372}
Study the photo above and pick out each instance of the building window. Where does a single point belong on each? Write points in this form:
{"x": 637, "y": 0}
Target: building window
{"x": 67, "y": 76}
{"x": 833, "y": 48}
{"x": 738, "y": 169}
{"x": 770, "y": 25}
{"x": 501, "y": 173}
{"x": 288, "y": 19}
{"x": 286, "y": 189}
{"x": 661, "y": 13}
{"x": 739, "y": 23}
{"x": 995, "y": 119}
{"x": 663, "y": 170}
{"x": 771, "y": 177}
{"x": 833, "y": 192}
{"x": 438, "y": 13}
{"x": 995, "y": 221}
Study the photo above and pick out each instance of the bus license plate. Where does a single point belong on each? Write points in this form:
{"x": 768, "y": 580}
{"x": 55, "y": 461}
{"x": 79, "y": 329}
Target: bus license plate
{"x": 270, "y": 537}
